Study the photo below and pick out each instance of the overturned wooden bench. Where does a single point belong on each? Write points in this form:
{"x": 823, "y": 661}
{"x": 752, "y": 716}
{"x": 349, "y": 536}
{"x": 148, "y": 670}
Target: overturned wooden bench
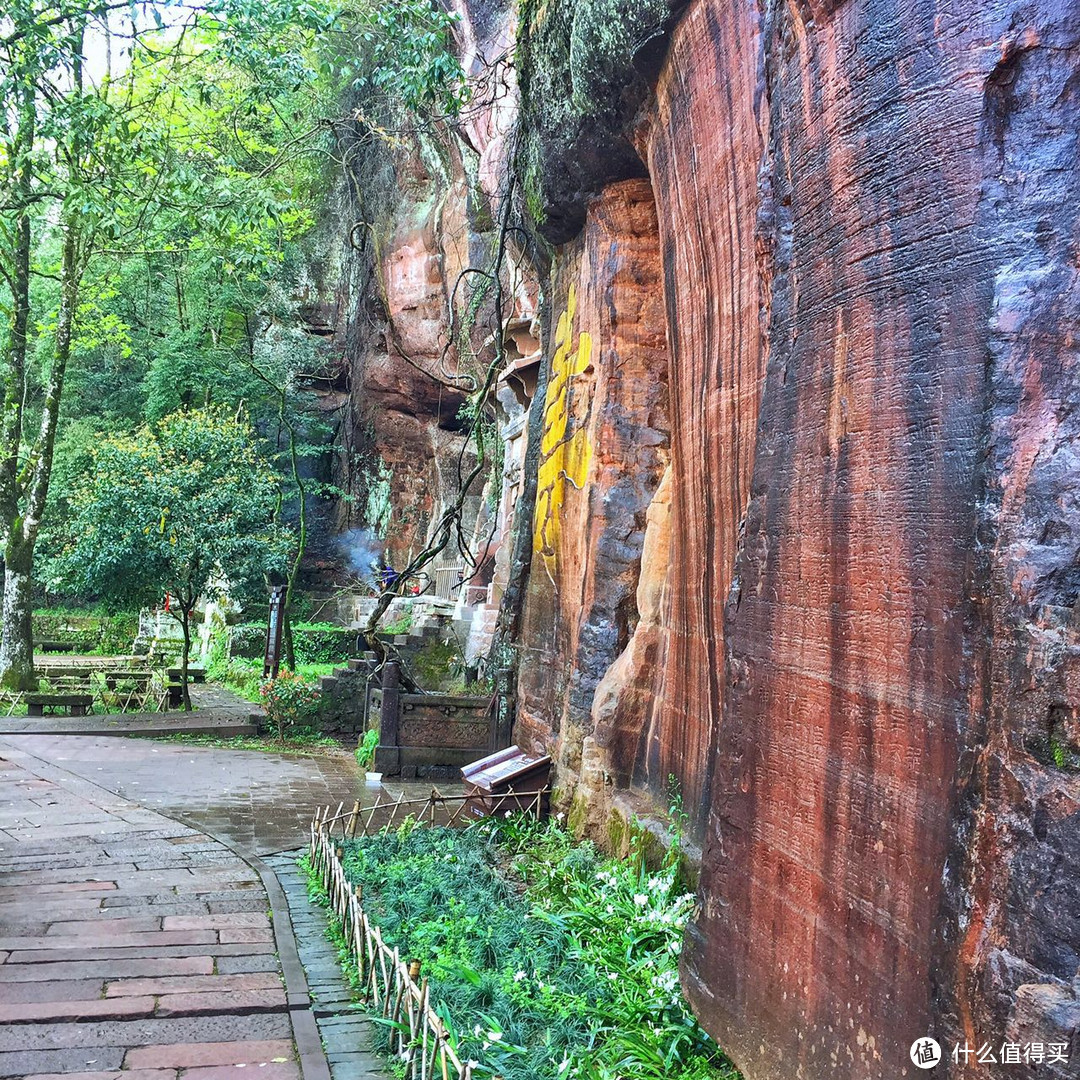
{"x": 71, "y": 704}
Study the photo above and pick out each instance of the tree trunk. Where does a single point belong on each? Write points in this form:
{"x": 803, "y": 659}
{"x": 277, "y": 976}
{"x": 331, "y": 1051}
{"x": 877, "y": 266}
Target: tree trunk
{"x": 185, "y": 623}
{"x": 23, "y": 524}
{"x": 15, "y": 376}
{"x": 301, "y": 544}
{"x": 17, "y": 646}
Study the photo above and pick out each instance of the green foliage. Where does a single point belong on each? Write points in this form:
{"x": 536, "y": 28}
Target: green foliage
{"x": 323, "y": 643}
{"x": 313, "y": 643}
{"x": 302, "y": 742}
{"x": 365, "y": 752}
{"x": 406, "y": 53}
{"x": 246, "y": 642}
{"x": 569, "y": 964}
{"x": 118, "y": 633}
{"x": 402, "y": 624}
{"x": 109, "y": 634}
{"x": 574, "y": 59}
{"x": 292, "y": 703}
{"x": 243, "y": 677}
{"x": 182, "y": 507}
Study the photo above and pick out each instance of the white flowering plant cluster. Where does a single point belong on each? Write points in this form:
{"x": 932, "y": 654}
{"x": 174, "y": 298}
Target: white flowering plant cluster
{"x": 549, "y": 961}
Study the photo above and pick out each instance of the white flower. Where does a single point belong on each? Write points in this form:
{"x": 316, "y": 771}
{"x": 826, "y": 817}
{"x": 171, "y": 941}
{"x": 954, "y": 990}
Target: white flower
{"x": 560, "y": 816}
{"x": 494, "y": 1036}
{"x": 507, "y": 814}
{"x": 564, "y": 1065}
{"x": 477, "y": 1030}
{"x": 519, "y": 975}
{"x": 641, "y": 899}
{"x": 612, "y": 975}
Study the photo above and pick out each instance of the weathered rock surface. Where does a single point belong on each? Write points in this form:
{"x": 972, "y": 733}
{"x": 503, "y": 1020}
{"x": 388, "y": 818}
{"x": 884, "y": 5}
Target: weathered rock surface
{"x": 603, "y": 455}
{"x": 857, "y": 653}
{"x": 807, "y": 531}
{"x": 874, "y": 833}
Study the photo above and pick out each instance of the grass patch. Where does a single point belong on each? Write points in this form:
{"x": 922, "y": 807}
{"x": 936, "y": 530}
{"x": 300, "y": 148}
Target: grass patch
{"x": 245, "y": 677}
{"x": 551, "y": 961}
{"x": 309, "y": 742}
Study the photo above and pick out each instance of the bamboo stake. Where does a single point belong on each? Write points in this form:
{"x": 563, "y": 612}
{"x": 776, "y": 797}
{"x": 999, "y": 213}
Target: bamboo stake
{"x": 393, "y": 813}
{"x": 424, "y": 1033}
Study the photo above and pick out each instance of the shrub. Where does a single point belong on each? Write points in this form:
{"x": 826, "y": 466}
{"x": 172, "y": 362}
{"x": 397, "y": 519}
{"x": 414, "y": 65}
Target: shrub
{"x": 565, "y": 967}
{"x": 247, "y": 642}
{"x": 118, "y": 633}
{"x": 365, "y": 752}
{"x": 292, "y": 703}
{"x": 322, "y": 643}
{"x": 313, "y": 643}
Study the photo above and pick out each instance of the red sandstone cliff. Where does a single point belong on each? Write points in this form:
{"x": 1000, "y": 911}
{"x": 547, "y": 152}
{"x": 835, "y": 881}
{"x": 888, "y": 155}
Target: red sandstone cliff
{"x": 807, "y": 529}
{"x": 861, "y": 664}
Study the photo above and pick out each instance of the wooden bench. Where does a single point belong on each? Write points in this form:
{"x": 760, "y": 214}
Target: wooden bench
{"x": 140, "y": 678}
{"x": 72, "y": 704}
{"x": 73, "y": 646}
{"x": 194, "y": 674}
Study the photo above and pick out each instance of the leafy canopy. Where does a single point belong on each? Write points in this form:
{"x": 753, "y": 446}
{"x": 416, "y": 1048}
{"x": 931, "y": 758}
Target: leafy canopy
{"x": 184, "y": 507}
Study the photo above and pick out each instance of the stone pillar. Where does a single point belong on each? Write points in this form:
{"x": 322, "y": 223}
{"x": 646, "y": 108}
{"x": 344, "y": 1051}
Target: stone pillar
{"x": 388, "y": 752}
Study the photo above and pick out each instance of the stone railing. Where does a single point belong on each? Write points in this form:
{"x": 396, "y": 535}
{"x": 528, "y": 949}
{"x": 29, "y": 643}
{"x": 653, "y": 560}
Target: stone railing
{"x": 428, "y": 734}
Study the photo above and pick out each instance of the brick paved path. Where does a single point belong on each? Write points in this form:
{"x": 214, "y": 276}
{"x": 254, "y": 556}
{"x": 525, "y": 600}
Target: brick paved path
{"x": 128, "y": 942}
{"x": 137, "y": 948}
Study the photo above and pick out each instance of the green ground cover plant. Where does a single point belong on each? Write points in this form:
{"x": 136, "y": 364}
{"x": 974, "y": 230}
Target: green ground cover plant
{"x": 245, "y": 677}
{"x": 549, "y": 960}
{"x": 304, "y": 743}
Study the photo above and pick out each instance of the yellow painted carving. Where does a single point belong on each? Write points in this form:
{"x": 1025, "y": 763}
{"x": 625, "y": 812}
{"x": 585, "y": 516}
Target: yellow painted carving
{"x": 565, "y": 452}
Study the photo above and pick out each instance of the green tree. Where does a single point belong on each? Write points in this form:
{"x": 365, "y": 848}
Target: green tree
{"x": 184, "y": 508}
{"x": 95, "y": 164}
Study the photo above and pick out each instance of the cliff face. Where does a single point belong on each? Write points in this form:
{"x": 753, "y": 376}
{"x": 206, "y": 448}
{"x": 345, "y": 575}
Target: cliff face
{"x": 807, "y": 529}
{"x": 856, "y": 638}
{"x": 604, "y": 449}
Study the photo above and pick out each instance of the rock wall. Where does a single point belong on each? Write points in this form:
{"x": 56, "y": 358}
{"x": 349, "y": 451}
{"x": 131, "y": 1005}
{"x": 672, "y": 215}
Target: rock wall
{"x": 807, "y": 535}
{"x": 604, "y": 450}
{"x": 854, "y": 633}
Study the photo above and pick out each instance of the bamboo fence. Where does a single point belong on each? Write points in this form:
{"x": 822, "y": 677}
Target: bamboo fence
{"x": 394, "y": 988}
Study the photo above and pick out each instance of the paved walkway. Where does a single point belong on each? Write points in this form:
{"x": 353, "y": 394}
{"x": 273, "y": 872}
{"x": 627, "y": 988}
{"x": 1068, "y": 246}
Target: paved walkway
{"x": 263, "y": 802}
{"x": 128, "y": 942}
{"x": 138, "y": 947}
{"x": 217, "y": 712}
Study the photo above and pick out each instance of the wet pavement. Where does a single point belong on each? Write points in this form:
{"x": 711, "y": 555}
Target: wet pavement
{"x": 130, "y": 946}
{"x": 263, "y": 802}
{"x": 345, "y": 1029}
{"x": 132, "y": 881}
